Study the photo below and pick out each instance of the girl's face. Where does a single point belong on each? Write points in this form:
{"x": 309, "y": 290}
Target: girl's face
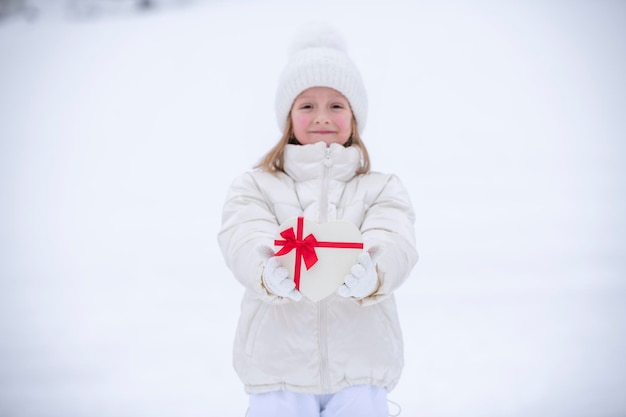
{"x": 321, "y": 114}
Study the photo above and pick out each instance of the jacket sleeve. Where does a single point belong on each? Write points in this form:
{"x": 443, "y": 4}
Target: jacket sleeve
{"x": 389, "y": 223}
{"x": 248, "y": 222}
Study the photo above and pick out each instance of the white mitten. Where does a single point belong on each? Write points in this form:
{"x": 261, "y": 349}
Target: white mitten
{"x": 363, "y": 278}
{"x": 276, "y": 277}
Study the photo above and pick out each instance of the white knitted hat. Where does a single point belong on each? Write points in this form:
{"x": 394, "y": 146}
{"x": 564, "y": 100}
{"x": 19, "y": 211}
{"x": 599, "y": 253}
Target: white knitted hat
{"x": 318, "y": 58}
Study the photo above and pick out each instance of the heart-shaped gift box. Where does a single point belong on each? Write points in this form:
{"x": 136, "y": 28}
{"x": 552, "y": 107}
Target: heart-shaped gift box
{"x": 318, "y": 256}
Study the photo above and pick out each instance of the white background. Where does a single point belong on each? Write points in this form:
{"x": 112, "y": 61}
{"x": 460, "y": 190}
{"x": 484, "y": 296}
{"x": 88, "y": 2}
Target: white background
{"x": 119, "y": 136}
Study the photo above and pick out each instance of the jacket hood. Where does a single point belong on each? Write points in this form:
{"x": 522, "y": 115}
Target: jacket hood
{"x": 306, "y": 162}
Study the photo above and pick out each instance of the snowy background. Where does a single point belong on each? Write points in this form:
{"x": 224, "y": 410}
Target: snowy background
{"x": 120, "y": 134}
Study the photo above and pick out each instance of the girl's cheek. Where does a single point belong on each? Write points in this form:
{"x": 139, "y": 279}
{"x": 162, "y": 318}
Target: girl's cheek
{"x": 346, "y": 123}
{"x": 298, "y": 120}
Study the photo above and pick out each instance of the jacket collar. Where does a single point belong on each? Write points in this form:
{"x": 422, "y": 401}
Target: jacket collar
{"x": 307, "y": 162}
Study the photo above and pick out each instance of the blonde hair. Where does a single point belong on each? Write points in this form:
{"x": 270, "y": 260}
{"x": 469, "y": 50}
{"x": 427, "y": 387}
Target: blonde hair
{"x": 274, "y": 159}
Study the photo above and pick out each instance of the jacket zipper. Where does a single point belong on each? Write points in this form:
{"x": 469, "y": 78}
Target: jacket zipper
{"x": 323, "y": 215}
{"x": 322, "y": 305}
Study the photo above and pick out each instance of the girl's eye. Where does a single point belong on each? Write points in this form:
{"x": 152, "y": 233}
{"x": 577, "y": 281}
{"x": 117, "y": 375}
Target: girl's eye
{"x": 338, "y": 106}
{"x": 305, "y": 106}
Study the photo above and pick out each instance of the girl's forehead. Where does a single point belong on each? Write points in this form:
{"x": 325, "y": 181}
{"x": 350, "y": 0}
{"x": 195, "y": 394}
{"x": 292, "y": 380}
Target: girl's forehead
{"x": 316, "y": 92}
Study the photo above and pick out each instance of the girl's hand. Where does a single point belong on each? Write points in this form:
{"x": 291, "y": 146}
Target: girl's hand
{"x": 363, "y": 278}
{"x": 276, "y": 277}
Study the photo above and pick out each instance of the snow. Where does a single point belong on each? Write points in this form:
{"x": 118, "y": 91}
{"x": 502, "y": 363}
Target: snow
{"x": 119, "y": 137}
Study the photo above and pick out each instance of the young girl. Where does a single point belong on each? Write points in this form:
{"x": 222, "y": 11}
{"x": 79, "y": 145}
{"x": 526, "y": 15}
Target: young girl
{"x": 339, "y": 356}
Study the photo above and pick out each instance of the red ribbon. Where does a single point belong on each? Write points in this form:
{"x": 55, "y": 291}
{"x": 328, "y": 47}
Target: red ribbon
{"x": 305, "y": 248}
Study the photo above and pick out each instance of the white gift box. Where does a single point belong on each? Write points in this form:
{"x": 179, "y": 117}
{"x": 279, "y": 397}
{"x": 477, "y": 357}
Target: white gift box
{"x": 318, "y": 256}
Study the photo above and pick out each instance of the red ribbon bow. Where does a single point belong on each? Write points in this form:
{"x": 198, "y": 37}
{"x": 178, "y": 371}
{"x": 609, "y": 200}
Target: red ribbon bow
{"x": 305, "y": 248}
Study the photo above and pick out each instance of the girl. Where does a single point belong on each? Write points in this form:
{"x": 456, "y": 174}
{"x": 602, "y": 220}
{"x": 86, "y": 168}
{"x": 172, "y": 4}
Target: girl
{"x": 339, "y": 356}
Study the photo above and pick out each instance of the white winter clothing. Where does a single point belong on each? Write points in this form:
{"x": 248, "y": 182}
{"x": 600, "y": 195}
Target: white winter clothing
{"x": 276, "y": 280}
{"x": 322, "y": 347}
{"x": 363, "y": 277}
{"x": 357, "y": 400}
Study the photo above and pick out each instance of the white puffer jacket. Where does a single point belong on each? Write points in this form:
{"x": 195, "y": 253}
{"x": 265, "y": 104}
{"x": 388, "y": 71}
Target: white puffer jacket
{"x": 318, "y": 347}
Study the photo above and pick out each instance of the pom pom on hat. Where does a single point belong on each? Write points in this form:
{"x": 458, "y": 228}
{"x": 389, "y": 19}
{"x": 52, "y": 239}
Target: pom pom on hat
{"x": 317, "y": 35}
{"x": 318, "y": 58}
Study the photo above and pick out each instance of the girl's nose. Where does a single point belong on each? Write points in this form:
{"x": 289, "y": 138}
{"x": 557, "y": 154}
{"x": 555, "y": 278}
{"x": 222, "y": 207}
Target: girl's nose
{"x": 321, "y": 117}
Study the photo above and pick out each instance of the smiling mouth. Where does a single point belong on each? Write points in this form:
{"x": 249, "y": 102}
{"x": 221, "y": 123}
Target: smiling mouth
{"x": 323, "y": 132}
